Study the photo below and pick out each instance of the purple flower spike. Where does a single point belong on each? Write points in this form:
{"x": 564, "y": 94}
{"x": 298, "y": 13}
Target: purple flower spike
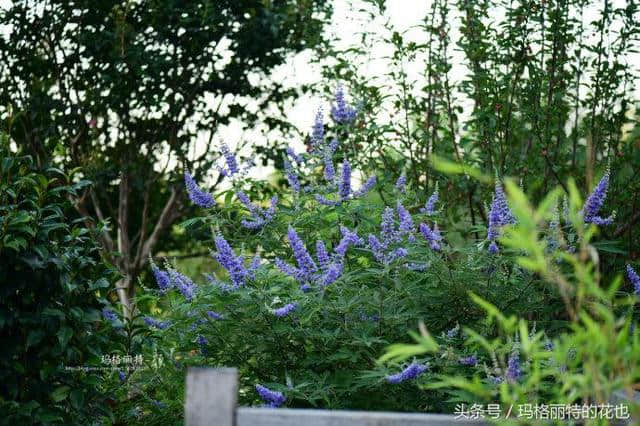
{"x": 401, "y": 184}
{"x": 344, "y": 187}
{"x": 595, "y": 201}
{"x": 214, "y": 315}
{"x": 348, "y": 238}
{"x": 229, "y": 261}
{"x": 499, "y": 216}
{"x": 287, "y": 269}
{"x": 452, "y": 333}
{"x": 634, "y": 278}
{"x": 333, "y": 145}
{"x": 259, "y": 216}
{"x": 273, "y": 399}
{"x": 429, "y": 207}
{"x": 183, "y": 283}
{"x": 406, "y": 223}
{"x": 409, "y": 373}
{"x": 230, "y": 160}
{"x": 317, "y": 133}
{"x": 306, "y": 265}
{"x": 493, "y": 248}
{"x": 469, "y": 360}
{"x": 296, "y": 157}
{"x": 325, "y": 201}
{"x": 285, "y": 310}
{"x": 431, "y": 235}
{"x": 197, "y": 195}
{"x": 329, "y": 170}
{"x": 109, "y": 315}
{"x": 340, "y": 111}
{"x": 514, "y": 371}
{"x": 333, "y": 273}
{"x": 366, "y": 187}
{"x": 322, "y": 254}
{"x": 292, "y": 178}
{"x": 305, "y": 288}
{"x": 387, "y": 228}
{"x": 162, "y": 277}
{"x": 377, "y": 248}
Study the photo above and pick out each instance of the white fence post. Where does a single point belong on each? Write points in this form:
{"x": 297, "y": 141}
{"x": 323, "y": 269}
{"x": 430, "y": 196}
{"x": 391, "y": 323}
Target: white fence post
{"x": 211, "y": 396}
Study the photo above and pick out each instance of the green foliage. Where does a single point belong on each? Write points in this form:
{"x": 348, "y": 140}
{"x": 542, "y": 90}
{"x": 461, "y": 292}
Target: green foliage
{"x": 538, "y": 90}
{"x": 595, "y": 354}
{"x": 51, "y": 275}
{"x": 326, "y": 352}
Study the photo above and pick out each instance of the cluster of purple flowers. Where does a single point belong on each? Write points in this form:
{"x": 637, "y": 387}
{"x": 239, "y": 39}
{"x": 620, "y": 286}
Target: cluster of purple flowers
{"x": 109, "y": 315}
{"x": 214, "y": 315}
{"x": 183, "y": 283}
{"x": 201, "y": 340}
{"x": 430, "y": 206}
{"x": 409, "y": 373}
{"x": 369, "y": 318}
{"x": 151, "y": 322}
{"x": 233, "y": 264}
{"x": 292, "y": 177}
{"x": 196, "y": 195}
{"x": 418, "y": 267}
{"x": 329, "y": 170}
{"x": 470, "y": 360}
{"x": 341, "y": 112}
{"x": 308, "y": 272}
{"x": 405, "y": 225}
{"x": 433, "y": 236}
{"x": 285, "y": 310}
{"x": 634, "y": 278}
{"x": 345, "y": 191}
{"x": 294, "y": 156}
{"x": 273, "y": 399}
{"x": 171, "y": 278}
{"x": 317, "y": 131}
{"x": 162, "y": 277}
{"x": 595, "y": 201}
{"x": 259, "y": 216}
{"x": 231, "y": 167}
{"x": 514, "y": 370}
{"x": 390, "y": 234}
{"x": 401, "y": 184}
{"x": 499, "y": 216}
{"x": 452, "y": 333}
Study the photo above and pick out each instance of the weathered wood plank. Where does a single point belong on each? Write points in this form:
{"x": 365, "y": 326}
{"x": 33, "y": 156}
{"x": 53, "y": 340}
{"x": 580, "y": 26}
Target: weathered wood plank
{"x": 246, "y": 416}
{"x": 211, "y": 396}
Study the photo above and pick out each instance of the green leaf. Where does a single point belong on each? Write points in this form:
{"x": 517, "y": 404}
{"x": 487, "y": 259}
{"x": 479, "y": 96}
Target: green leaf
{"x": 60, "y": 393}
{"x": 64, "y": 334}
{"x": 34, "y": 337}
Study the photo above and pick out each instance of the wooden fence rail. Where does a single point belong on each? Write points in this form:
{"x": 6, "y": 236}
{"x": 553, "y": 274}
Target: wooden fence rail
{"x": 211, "y": 400}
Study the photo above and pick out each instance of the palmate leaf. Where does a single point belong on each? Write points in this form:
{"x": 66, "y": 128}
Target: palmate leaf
{"x": 401, "y": 351}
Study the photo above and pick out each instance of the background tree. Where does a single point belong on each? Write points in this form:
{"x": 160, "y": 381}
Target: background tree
{"x": 126, "y": 89}
{"x": 541, "y": 90}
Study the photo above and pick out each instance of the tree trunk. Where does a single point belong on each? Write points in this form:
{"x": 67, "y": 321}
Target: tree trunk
{"x": 126, "y": 292}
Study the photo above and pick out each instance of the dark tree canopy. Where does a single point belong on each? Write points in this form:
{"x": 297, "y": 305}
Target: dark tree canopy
{"x": 124, "y": 90}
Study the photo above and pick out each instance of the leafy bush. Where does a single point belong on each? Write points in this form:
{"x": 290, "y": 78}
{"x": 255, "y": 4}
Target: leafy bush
{"x": 49, "y": 310}
{"x": 339, "y": 273}
{"x": 595, "y": 355}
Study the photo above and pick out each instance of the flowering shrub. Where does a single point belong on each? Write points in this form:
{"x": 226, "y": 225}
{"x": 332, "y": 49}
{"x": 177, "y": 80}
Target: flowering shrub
{"x": 595, "y": 354}
{"x": 336, "y": 275}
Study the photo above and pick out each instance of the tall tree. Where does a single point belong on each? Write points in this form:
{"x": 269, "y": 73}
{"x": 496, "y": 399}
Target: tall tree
{"x": 124, "y": 89}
